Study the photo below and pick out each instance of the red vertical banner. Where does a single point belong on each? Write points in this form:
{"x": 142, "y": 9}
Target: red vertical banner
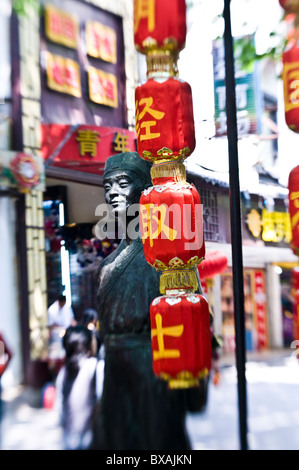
{"x": 261, "y": 310}
{"x": 295, "y": 280}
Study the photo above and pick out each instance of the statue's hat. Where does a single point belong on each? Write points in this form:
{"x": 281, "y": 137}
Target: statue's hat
{"x": 129, "y": 161}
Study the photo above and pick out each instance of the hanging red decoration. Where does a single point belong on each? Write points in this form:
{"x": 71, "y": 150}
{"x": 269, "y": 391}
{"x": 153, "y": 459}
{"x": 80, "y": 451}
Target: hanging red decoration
{"x": 159, "y": 24}
{"x": 290, "y": 6}
{"x": 25, "y": 170}
{"x": 215, "y": 262}
{"x": 181, "y": 339}
{"x": 164, "y": 120}
{"x": 171, "y": 228}
{"x": 290, "y": 77}
{"x": 294, "y": 207}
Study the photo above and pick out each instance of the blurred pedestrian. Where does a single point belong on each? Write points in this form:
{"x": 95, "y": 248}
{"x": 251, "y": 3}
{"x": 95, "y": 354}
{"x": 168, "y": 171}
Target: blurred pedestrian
{"x": 60, "y": 317}
{"x": 78, "y": 386}
{"x": 89, "y": 319}
{"x": 60, "y": 314}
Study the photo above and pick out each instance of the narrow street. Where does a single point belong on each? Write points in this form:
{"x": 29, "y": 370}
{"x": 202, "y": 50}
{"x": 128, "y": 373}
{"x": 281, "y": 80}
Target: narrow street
{"x": 273, "y": 412}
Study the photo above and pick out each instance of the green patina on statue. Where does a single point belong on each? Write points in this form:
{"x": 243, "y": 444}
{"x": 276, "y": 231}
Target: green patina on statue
{"x": 137, "y": 410}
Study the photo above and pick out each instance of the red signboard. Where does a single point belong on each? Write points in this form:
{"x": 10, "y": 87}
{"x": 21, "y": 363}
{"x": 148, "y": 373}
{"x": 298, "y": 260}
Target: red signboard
{"x": 260, "y": 302}
{"x": 84, "y": 148}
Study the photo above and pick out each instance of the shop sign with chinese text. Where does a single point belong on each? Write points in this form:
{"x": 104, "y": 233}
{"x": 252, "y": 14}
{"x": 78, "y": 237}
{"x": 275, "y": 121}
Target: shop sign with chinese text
{"x": 61, "y": 27}
{"x": 84, "y": 148}
{"x": 102, "y": 87}
{"x": 271, "y": 226}
{"x": 100, "y": 41}
{"x": 63, "y": 75}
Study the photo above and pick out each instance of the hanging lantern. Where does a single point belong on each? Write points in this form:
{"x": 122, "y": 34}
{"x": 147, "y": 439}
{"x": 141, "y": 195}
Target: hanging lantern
{"x": 290, "y": 77}
{"x": 171, "y": 226}
{"x": 215, "y": 262}
{"x": 181, "y": 339}
{"x": 294, "y": 208}
{"x": 159, "y": 24}
{"x": 290, "y": 6}
{"x": 164, "y": 120}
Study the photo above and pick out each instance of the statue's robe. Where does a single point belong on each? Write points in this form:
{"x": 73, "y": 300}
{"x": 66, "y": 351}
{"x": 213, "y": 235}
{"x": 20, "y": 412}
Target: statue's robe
{"x": 137, "y": 410}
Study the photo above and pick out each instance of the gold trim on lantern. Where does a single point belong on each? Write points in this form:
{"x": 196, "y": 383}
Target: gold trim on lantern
{"x": 177, "y": 263}
{"x": 166, "y": 154}
{"x": 184, "y": 379}
{"x": 176, "y": 170}
{"x": 162, "y": 63}
{"x": 178, "y": 279}
{"x": 150, "y": 44}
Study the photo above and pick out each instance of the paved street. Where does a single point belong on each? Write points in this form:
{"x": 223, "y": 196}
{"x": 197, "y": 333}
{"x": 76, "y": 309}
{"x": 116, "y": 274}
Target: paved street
{"x": 273, "y": 408}
{"x": 273, "y": 411}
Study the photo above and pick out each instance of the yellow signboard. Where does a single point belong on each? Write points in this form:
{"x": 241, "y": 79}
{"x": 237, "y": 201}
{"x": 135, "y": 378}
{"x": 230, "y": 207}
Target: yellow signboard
{"x": 63, "y": 75}
{"x": 101, "y": 41}
{"x": 61, "y": 27}
{"x": 102, "y": 87}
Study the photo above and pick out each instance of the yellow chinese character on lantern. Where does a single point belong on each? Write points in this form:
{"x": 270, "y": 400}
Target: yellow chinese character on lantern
{"x": 269, "y": 232}
{"x": 254, "y": 223}
{"x": 144, "y": 9}
{"x": 154, "y": 225}
{"x": 146, "y": 125}
{"x": 160, "y": 332}
{"x": 88, "y": 142}
{"x": 294, "y": 196}
{"x": 120, "y": 142}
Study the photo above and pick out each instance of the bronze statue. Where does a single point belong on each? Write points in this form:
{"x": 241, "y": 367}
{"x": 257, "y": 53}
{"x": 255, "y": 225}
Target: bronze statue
{"x": 137, "y": 411}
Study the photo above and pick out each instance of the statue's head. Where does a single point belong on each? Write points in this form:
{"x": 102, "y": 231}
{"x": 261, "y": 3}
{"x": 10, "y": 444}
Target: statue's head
{"x": 126, "y": 175}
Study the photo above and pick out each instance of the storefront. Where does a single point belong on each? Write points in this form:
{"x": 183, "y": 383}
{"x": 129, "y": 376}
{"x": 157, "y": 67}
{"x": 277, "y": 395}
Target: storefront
{"x": 267, "y": 261}
{"x": 88, "y": 83}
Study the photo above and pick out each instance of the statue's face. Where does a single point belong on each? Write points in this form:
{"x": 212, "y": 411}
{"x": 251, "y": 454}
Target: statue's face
{"x": 121, "y": 190}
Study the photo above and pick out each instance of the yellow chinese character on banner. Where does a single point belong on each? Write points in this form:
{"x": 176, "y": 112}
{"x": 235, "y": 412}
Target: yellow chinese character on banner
{"x": 287, "y": 227}
{"x": 269, "y": 232}
{"x": 147, "y": 124}
{"x": 254, "y": 223}
{"x": 120, "y": 142}
{"x": 150, "y": 218}
{"x": 88, "y": 142}
{"x": 175, "y": 331}
{"x": 144, "y": 9}
{"x": 279, "y": 220}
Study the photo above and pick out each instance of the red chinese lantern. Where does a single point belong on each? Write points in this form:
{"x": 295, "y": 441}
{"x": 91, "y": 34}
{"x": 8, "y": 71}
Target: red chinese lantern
{"x": 164, "y": 120}
{"x": 294, "y": 207}
{"x": 215, "y": 262}
{"x": 181, "y": 339}
{"x": 159, "y": 24}
{"x": 290, "y": 77}
{"x": 290, "y": 6}
{"x": 171, "y": 228}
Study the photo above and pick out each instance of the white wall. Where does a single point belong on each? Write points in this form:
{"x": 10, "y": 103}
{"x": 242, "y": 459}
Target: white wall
{"x": 82, "y": 200}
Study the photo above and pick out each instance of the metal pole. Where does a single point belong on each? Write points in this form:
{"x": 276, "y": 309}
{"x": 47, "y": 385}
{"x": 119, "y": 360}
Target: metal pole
{"x": 236, "y": 229}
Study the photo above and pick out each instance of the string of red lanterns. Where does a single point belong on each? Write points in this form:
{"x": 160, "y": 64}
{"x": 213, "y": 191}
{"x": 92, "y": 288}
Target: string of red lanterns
{"x": 290, "y": 76}
{"x": 170, "y": 218}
